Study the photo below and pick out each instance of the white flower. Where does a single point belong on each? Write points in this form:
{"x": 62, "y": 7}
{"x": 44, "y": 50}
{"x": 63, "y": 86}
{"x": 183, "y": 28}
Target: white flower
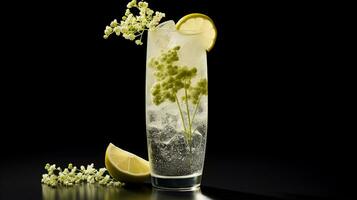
{"x": 108, "y": 30}
{"x": 143, "y": 4}
{"x": 52, "y": 167}
{"x": 138, "y": 42}
{"x": 131, "y": 37}
{"x": 47, "y": 166}
{"x": 71, "y": 175}
{"x": 127, "y": 12}
{"x": 131, "y": 4}
{"x": 132, "y": 26}
{"x": 101, "y": 171}
{"x": 114, "y": 23}
{"x": 74, "y": 169}
{"x": 149, "y": 12}
{"x": 142, "y": 12}
{"x": 138, "y": 27}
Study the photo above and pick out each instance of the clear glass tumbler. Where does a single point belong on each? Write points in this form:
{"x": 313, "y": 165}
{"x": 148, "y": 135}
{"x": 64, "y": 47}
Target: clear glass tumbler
{"x": 176, "y": 107}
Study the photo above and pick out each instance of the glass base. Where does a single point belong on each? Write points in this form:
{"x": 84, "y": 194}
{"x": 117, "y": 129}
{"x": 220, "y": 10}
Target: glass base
{"x": 176, "y": 183}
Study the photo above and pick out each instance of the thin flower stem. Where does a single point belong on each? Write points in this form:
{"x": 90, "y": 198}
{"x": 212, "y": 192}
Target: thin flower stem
{"x": 195, "y": 112}
{"x": 183, "y": 121}
{"x": 141, "y": 35}
{"x": 188, "y": 114}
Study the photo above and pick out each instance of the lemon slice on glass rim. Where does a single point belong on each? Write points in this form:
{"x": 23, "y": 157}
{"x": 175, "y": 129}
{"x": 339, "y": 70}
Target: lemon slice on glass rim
{"x": 199, "y": 23}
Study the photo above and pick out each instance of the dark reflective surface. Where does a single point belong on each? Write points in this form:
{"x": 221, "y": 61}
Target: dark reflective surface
{"x": 144, "y": 192}
{"x": 21, "y": 180}
{"x": 94, "y": 192}
{"x": 195, "y": 195}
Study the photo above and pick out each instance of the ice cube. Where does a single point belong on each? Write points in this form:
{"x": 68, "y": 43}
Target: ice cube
{"x": 169, "y": 120}
{"x": 166, "y": 26}
{"x": 196, "y": 140}
{"x": 152, "y": 115}
{"x": 178, "y": 146}
{"x": 167, "y": 133}
{"x": 200, "y": 125}
{"x": 161, "y": 36}
{"x": 153, "y": 132}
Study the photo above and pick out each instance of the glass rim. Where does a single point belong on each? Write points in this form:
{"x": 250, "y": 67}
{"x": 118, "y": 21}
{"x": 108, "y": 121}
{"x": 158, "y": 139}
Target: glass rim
{"x": 187, "y": 32}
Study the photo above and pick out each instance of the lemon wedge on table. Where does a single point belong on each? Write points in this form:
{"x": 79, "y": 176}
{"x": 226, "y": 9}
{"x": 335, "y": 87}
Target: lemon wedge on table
{"x": 199, "y": 23}
{"x": 125, "y": 166}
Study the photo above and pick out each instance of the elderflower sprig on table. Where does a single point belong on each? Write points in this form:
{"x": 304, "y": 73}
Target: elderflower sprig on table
{"x": 73, "y": 175}
{"x": 133, "y": 26}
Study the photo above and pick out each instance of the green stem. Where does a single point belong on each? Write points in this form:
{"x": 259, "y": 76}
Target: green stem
{"x": 188, "y": 115}
{"x": 140, "y": 34}
{"x": 194, "y": 114}
{"x": 183, "y": 121}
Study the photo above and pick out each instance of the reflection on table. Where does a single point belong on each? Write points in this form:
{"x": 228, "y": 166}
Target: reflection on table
{"x": 98, "y": 192}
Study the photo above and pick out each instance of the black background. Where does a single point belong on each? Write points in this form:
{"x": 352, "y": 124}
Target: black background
{"x": 67, "y": 92}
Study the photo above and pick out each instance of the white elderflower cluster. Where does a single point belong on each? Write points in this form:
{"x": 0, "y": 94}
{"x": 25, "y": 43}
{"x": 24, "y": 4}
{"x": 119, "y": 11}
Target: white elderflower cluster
{"x": 133, "y": 26}
{"x": 72, "y": 175}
